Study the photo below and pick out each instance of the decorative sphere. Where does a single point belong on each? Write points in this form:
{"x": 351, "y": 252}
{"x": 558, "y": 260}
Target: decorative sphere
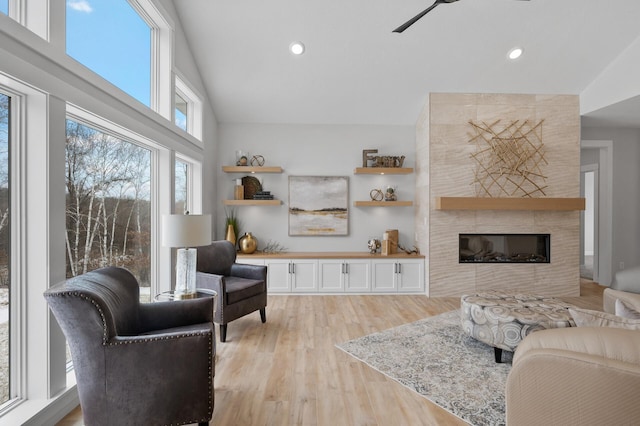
{"x": 248, "y": 243}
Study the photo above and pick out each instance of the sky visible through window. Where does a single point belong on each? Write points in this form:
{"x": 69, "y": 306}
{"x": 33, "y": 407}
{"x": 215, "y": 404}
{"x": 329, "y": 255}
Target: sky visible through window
{"x": 4, "y": 6}
{"x": 110, "y": 38}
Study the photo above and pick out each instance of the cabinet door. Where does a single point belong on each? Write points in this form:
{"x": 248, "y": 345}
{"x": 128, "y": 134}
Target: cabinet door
{"x": 304, "y": 277}
{"x": 278, "y": 276}
{"x": 331, "y": 276}
{"x": 357, "y": 276}
{"x": 384, "y": 276}
{"x": 410, "y": 275}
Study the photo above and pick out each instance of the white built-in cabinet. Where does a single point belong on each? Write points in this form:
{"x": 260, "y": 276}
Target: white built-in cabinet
{"x": 344, "y": 275}
{"x": 292, "y": 275}
{"x": 325, "y": 274}
{"x": 398, "y": 276}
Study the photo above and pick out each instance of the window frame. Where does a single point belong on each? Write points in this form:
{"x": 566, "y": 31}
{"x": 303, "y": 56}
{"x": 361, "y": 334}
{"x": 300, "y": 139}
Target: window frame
{"x": 32, "y": 244}
{"x": 162, "y": 45}
{"x": 194, "y": 183}
{"x": 194, "y": 106}
{"x": 157, "y": 197}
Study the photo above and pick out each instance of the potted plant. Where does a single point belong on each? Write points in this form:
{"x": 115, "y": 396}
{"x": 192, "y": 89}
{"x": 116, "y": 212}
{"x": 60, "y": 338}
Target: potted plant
{"x": 232, "y": 226}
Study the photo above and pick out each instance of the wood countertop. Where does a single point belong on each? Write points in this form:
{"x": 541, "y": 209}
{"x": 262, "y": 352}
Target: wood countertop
{"x": 328, "y": 255}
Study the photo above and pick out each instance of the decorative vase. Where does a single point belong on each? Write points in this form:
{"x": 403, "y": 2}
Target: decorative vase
{"x": 231, "y": 235}
{"x": 248, "y": 243}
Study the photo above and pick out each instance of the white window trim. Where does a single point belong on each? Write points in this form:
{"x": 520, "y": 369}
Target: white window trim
{"x": 194, "y": 106}
{"x": 162, "y": 45}
{"x": 37, "y": 374}
{"x": 194, "y": 183}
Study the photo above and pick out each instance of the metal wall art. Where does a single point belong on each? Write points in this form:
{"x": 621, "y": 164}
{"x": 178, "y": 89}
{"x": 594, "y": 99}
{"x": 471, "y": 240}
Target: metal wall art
{"x": 509, "y": 159}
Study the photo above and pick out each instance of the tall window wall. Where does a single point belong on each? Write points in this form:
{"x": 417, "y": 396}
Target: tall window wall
{"x": 96, "y": 169}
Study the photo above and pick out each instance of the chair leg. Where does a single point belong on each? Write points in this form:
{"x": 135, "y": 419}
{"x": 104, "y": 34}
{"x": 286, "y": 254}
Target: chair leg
{"x": 223, "y": 332}
{"x": 263, "y": 315}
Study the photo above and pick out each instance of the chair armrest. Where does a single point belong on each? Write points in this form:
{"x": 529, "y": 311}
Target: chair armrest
{"x": 161, "y": 315}
{"x": 578, "y": 376}
{"x": 211, "y": 282}
{"x": 178, "y": 367}
{"x": 252, "y": 272}
{"x": 609, "y": 299}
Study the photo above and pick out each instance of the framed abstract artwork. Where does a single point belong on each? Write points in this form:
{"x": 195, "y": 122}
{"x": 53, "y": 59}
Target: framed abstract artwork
{"x": 318, "y": 205}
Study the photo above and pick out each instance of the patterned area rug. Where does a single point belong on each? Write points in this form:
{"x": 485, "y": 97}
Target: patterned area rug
{"x": 435, "y": 358}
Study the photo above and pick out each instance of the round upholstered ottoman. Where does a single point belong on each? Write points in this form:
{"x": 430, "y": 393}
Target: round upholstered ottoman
{"x": 501, "y": 319}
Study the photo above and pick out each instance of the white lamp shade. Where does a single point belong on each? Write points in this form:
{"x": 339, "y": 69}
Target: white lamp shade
{"x": 182, "y": 230}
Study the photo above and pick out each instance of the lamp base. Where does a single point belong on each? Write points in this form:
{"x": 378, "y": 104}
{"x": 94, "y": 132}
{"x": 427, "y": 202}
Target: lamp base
{"x": 186, "y": 273}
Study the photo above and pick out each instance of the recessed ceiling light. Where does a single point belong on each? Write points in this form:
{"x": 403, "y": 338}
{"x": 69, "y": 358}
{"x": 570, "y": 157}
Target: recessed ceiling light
{"x": 297, "y": 48}
{"x": 515, "y": 53}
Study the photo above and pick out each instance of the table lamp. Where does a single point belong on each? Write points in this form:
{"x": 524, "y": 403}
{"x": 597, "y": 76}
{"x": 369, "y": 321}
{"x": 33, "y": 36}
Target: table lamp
{"x": 184, "y": 231}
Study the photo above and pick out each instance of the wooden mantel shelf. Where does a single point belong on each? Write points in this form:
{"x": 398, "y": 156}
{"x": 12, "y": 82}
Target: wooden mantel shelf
{"x": 482, "y": 203}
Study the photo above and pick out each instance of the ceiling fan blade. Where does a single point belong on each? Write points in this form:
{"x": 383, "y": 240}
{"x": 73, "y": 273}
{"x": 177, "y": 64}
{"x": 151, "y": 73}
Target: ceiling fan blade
{"x": 413, "y": 20}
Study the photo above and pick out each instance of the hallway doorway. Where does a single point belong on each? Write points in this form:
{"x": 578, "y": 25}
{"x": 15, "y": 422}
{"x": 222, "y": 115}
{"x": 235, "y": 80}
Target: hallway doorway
{"x": 589, "y": 221}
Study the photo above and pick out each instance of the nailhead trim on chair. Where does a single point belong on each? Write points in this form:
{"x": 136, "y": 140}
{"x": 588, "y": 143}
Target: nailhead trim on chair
{"x": 105, "y": 343}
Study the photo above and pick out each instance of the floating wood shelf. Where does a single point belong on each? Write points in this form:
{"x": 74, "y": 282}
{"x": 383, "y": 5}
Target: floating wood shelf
{"x": 252, "y": 202}
{"x": 382, "y": 203}
{"x": 383, "y": 170}
{"x": 488, "y": 203}
{"x": 251, "y": 169}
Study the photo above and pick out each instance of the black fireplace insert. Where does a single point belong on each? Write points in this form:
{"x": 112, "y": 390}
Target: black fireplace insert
{"x": 505, "y": 248}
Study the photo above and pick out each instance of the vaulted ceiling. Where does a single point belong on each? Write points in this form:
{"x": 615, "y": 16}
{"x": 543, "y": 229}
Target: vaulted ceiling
{"x": 356, "y": 71}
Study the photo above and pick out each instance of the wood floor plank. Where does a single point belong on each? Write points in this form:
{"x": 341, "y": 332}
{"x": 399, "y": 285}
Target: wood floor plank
{"x": 289, "y": 372}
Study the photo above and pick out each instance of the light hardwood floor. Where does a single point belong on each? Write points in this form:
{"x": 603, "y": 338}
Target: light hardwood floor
{"x": 289, "y": 372}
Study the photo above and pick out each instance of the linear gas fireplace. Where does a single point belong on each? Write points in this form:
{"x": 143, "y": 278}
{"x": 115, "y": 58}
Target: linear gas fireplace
{"x": 505, "y": 248}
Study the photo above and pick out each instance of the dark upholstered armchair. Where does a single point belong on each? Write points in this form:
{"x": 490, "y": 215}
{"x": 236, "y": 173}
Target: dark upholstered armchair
{"x": 242, "y": 289}
{"x": 150, "y": 363}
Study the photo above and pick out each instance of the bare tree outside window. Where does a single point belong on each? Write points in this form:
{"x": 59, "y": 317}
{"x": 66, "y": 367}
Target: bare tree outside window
{"x": 5, "y": 249}
{"x": 181, "y": 186}
{"x": 108, "y": 204}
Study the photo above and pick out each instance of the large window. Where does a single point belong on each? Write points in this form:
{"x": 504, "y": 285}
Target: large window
{"x": 5, "y": 249}
{"x": 108, "y": 204}
{"x": 110, "y": 38}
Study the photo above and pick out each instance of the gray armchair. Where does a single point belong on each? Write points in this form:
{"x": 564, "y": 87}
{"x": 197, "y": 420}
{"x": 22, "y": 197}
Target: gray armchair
{"x": 242, "y": 289}
{"x": 150, "y": 363}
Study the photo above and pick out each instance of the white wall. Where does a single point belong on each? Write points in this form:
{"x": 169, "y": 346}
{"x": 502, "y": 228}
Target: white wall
{"x": 626, "y": 191}
{"x": 318, "y": 150}
{"x": 616, "y": 83}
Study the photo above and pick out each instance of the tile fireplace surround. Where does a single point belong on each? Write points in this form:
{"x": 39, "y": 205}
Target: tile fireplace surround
{"x": 444, "y": 168}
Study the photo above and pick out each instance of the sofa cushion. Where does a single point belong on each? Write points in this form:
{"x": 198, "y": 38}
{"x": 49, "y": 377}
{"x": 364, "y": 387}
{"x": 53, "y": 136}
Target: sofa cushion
{"x": 239, "y": 289}
{"x": 626, "y": 311}
{"x": 589, "y": 318}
